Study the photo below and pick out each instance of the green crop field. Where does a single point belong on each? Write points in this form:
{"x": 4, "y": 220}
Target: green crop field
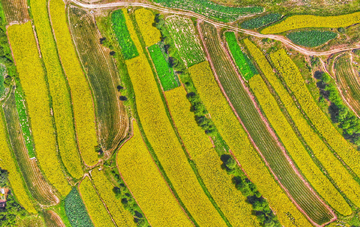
{"x": 186, "y": 113}
{"x": 166, "y": 74}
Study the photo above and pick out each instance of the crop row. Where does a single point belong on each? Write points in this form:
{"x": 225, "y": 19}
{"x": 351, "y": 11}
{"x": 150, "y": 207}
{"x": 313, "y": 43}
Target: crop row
{"x": 147, "y": 185}
{"x": 208, "y": 163}
{"x": 145, "y": 19}
{"x": 242, "y": 61}
{"x": 83, "y": 105}
{"x": 235, "y": 136}
{"x": 183, "y": 33}
{"x": 167, "y": 77}
{"x": 76, "y": 210}
{"x": 61, "y": 102}
{"x": 211, "y": 9}
{"x": 96, "y": 209}
{"x": 334, "y": 168}
{"x": 312, "y": 21}
{"x": 295, "y": 148}
{"x": 311, "y": 38}
{"x": 8, "y": 163}
{"x": 271, "y": 152}
{"x": 32, "y": 78}
{"x": 128, "y": 49}
{"x": 164, "y": 141}
{"x": 260, "y": 21}
{"x": 296, "y": 83}
{"x": 121, "y": 216}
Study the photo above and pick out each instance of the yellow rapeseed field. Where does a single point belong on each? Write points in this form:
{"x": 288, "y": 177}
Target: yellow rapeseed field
{"x": 32, "y": 78}
{"x": 333, "y": 166}
{"x": 61, "y": 102}
{"x": 122, "y": 217}
{"x": 165, "y": 143}
{"x": 93, "y": 204}
{"x": 132, "y": 31}
{"x": 235, "y": 136}
{"x": 83, "y": 105}
{"x": 311, "y": 21}
{"x": 295, "y": 148}
{"x": 146, "y": 183}
{"x": 7, "y": 162}
{"x": 227, "y": 197}
{"x": 145, "y": 18}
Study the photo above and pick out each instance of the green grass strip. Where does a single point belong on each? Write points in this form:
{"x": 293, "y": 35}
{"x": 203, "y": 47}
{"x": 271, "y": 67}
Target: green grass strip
{"x": 167, "y": 77}
{"x": 247, "y": 69}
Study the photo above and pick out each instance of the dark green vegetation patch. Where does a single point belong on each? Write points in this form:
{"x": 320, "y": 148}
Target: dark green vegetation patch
{"x": 246, "y": 67}
{"x": 166, "y": 75}
{"x": 311, "y": 38}
{"x": 211, "y": 9}
{"x": 76, "y": 211}
{"x": 261, "y": 21}
{"x": 122, "y": 34}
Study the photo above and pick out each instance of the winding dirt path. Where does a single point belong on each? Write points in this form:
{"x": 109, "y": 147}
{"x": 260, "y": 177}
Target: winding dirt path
{"x": 280, "y": 38}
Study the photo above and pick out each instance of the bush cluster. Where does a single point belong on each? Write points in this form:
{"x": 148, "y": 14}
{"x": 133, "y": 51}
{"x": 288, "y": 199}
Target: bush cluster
{"x": 339, "y": 112}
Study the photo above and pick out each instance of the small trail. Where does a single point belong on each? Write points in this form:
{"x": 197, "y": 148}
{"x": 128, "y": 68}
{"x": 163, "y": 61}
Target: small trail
{"x": 280, "y": 38}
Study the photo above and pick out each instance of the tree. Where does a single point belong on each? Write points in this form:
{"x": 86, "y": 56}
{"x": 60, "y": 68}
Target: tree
{"x": 123, "y": 98}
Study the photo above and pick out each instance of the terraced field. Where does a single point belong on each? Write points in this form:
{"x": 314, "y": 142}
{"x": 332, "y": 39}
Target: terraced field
{"x": 147, "y": 185}
{"x": 81, "y": 96}
{"x": 112, "y": 121}
{"x": 61, "y": 102}
{"x": 34, "y": 179}
{"x": 32, "y": 78}
{"x": 183, "y": 33}
{"x": 331, "y": 164}
{"x": 347, "y": 79}
{"x": 207, "y": 161}
{"x": 271, "y": 151}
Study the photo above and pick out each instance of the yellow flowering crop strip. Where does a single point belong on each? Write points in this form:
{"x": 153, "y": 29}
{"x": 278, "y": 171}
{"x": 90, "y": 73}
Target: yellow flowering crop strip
{"x": 296, "y": 83}
{"x": 83, "y": 106}
{"x": 230, "y": 200}
{"x": 145, "y": 18}
{"x": 7, "y": 162}
{"x": 332, "y": 165}
{"x": 94, "y": 205}
{"x": 163, "y": 139}
{"x": 132, "y": 31}
{"x": 32, "y": 78}
{"x": 122, "y": 217}
{"x": 295, "y": 148}
{"x": 147, "y": 185}
{"x": 61, "y": 102}
{"x": 235, "y": 136}
{"x": 311, "y": 21}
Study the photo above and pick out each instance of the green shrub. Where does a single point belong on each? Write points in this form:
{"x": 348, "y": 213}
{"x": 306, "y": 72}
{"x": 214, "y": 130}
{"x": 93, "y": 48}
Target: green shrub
{"x": 311, "y": 38}
{"x": 261, "y": 21}
{"x": 76, "y": 211}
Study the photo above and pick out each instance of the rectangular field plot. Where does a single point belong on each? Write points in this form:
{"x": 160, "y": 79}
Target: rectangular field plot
{"x": 15, "y": 10}
{"x": 211, "y": 9}
{"x": 147, "y": 185}
{"x": 183, "y": 33}
{"x": 76, "y": 210}
{"x": 82, "y": 100}
{"x": 96, "y": 209}
{"x": 166, "y": 74}
{"x": 32, "y": 78}
{"x": 270, "y": 150}
{"x": 61, "y": 102}
{"x": 112, "y": 121}
{"x": 227, "y": 197}
{"x": 242, "y": 61}
{"x": 128, "y": 49}
{"x": 104, "y": 187}
{"x": 295, "y": 148}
